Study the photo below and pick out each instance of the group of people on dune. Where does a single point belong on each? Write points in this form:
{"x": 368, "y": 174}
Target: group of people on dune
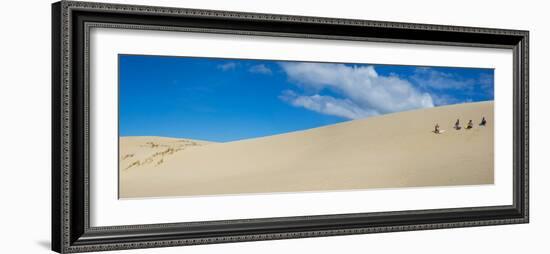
{"x": 458, "y": 127}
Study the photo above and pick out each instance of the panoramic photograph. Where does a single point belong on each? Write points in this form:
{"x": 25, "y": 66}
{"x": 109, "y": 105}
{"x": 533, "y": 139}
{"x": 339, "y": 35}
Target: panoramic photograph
{"x": 192, "y": 126}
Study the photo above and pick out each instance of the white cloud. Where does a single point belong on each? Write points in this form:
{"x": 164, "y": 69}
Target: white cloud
{"x": 327, "y": 105}
{"x": 227, "y": 66}
{"x": 261, "y": 69}
{"x": 363, "y": 92}
{"x": 444, "y": 99}
{"x": 430, "y": 78}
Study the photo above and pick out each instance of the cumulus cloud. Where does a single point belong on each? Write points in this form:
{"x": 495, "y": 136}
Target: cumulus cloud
{"x": 452, "y": 88}
{"x": 227, "y": 66}
{"x": 261, "y": 69}
{"x": 429, "y": 78}
{"x": 361, "y": 90}
{"x": 327, "y": 105}
{"x": 445, "y": 99}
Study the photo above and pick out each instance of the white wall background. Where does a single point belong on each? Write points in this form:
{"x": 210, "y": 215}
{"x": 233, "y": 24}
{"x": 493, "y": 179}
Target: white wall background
{"x": 25, "y": 126}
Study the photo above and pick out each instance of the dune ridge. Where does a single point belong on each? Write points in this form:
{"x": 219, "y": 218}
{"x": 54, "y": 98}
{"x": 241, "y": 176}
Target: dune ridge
{"x": 389, "y": 151}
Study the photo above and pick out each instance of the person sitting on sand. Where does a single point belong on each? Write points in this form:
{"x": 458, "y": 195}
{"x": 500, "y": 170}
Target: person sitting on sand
{"x": 470, "y": 125}
{"x": 457, "y": 125}
{"x": 436, "y": 131}
{"x": 483, "y": 122}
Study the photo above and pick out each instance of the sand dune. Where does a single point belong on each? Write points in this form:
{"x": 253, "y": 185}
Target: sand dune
{"x": 394, "y": 150}
{"x": 146, "y": 151}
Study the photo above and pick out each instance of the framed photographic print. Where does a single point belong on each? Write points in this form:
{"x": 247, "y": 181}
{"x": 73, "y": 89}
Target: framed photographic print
{"x": 181, "y": 126}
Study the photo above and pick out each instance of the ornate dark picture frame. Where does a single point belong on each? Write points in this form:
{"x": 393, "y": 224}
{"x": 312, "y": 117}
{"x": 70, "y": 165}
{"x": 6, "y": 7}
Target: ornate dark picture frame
{"x": 71, "y": 22}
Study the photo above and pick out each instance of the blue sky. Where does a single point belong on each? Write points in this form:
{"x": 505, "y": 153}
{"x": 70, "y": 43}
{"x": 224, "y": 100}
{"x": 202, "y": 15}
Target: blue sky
{"x": 231, "y": 99}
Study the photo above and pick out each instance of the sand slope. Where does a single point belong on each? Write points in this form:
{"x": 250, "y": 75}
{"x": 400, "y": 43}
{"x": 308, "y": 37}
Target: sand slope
{"x": 395, "y": 150}
{"x": 145, "y": 152}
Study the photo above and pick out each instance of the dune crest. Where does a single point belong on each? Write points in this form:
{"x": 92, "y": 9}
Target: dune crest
{"x": 390, "y": 151}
